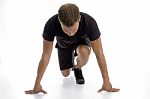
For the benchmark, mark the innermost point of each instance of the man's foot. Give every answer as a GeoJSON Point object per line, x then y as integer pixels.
{"type": "Point", "coordinates": [78, 75]}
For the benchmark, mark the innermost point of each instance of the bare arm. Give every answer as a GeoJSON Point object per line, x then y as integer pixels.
{"type": "Point", "coordinates": [98, 50]}
{"type": "Point", "coordinates": [47, 49]}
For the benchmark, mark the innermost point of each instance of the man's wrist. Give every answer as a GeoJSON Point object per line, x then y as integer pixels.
{"type": "Point", "coordinates": [37, 84]}
{"type": "Point", "coordinates": [106, 81]}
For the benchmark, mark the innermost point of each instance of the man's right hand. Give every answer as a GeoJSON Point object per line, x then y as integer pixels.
{"type": "Point", "coordinates": [36, 90]}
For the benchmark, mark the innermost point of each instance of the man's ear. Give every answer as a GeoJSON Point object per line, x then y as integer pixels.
{"type": "Point", "coordinates": [79, 18]}
{"type": "Point", "coordinates": [58, 19]}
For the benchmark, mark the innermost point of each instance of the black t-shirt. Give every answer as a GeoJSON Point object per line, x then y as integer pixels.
{"type": "Point", "coordinates": [87, 29]}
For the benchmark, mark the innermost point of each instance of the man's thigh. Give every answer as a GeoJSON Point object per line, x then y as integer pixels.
{"type": "Point", "coordinates": [66, 58]}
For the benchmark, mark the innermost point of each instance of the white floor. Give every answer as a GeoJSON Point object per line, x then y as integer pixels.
{"type": "Point", "coordinates": [125, 37]}
{"type": "Point", "coordinates": [132, 78]}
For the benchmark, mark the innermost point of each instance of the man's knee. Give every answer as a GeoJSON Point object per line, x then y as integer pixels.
{"type": "Point", "coordinates": [65, 73]}
{"type": "Point", "coordinates": [83, 50]}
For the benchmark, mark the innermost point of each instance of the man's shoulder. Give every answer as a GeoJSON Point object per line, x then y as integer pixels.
{"type": "Point", "coordinates": [85, 15]}
{"type": "Point", "coordinates": [52, 22]}
{"type": "Point", "coordinates": [53, 18]}
{"type": "Point", "coordinates": [86, 18]}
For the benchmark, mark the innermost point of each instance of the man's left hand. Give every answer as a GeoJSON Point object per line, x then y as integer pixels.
{"type": "Point", "coordinates": [108, 87]}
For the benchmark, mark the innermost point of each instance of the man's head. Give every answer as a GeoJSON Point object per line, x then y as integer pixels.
{"type": "Point", "coordinates": [69, 17]}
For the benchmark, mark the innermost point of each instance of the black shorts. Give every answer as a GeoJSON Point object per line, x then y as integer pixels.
{"type": "Point", "coordinates": [66, 55]}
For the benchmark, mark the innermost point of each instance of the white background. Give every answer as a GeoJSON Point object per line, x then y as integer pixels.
{"type": "Point", "coordinates": [125, 29]}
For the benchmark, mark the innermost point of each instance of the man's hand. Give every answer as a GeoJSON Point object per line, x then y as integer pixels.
{"type": "Point", "coordinates": [36, 90]}
{"type": "Point", "coordinates": [108, 87]}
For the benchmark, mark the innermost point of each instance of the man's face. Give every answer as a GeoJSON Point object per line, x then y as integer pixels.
{"type": "Point", "coordinates": [70, 31]}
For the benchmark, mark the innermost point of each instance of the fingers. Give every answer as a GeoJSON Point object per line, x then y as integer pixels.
{"type": "Point", "coordinates": [30, 92]}
{"type": "Point", "coordinates": [113, 90]}
{"type": "Point", "coordinates": [100, 90]}
{"type": "Point", "coordinates": [110, 90]}
{"type": "Point", "coordinates": [35, 92]}
{"type": "Point", "coordinates": [44, 92]}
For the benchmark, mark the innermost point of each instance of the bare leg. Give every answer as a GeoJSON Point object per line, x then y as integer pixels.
{"type": "Point", "coordinates": [83, 52]}
{"type": "Point", "coordinates": [66, 72]}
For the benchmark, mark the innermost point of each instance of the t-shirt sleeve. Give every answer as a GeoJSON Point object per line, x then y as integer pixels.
{"type": "Point", "coordinates": [48, 32]}
{"type": "Point", "coordinates": [92, 29]}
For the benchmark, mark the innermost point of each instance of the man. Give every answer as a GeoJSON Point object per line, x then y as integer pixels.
{"type": "Point", "coordinates": [76, 33]}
